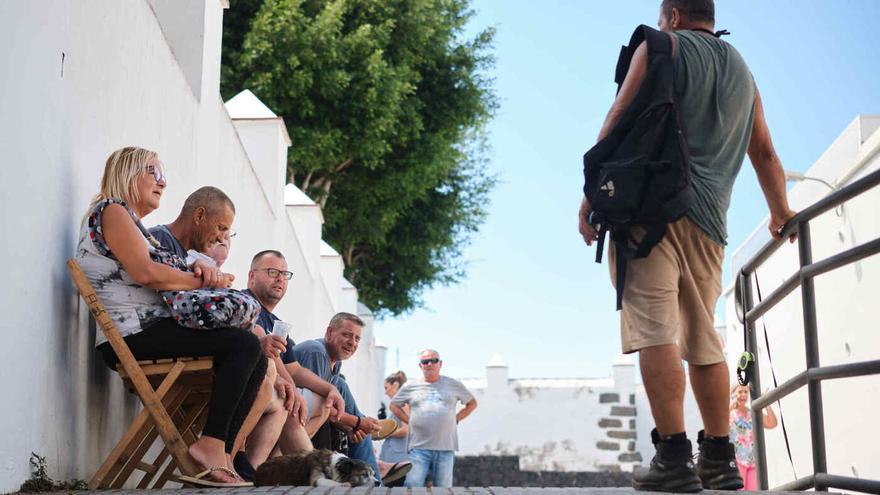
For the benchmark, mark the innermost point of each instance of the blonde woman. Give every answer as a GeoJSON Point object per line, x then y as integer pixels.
{"type": "Point", "coordinates": [114, 251]}
{"type": "Point", "coordinates": [741, 434]}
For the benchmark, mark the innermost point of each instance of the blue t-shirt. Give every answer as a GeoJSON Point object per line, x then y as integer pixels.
{"type": "Point", "coordinates": [267, 320]}
{"type": "Point", "coordinates": [312, 355]}
{"type": "Point", "coordinates": [168, 241]}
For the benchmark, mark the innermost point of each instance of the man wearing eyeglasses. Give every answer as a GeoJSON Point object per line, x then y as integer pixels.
{"type": "Point", "coordinates": [433, 437]}
{"type": "Point", "coordinates": [267, 282]}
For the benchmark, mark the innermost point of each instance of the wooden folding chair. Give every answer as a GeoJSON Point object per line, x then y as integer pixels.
{"type": "Point", "coordinates": [174, 393]}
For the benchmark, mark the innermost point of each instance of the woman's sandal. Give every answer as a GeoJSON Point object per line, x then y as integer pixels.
{"type": "Point", "coordinates": [397, 471]}
{"type": "Point", "coordinates": [200, 479]}
{"type": "Point", "coordinates": [386, 428]}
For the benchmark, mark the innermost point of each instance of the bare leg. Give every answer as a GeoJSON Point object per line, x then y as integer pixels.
{"type": "Point", "coordinates": [266, 434]}
{"type": "Point", "coordinates": [711, 384]}
{"type": "Point", "coordinates": [663, 376]}
{"type": "Point", "coordinates": [264, 397]}
{"type": "Point", "coordinates": [294, 437]}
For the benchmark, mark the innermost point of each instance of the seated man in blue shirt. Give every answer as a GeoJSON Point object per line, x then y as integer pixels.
{"type": "Point", "coordinates": [324, 357]}
{"type": "Point", "coordinates": [204, 220]}
{"type": "Point", "coordinates": [267, 282]}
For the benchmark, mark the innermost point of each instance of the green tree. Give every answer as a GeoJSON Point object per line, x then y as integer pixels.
{"type": "Point", "coordinates": [386, 103]}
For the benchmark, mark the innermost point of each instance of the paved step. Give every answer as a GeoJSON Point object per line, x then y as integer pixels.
{"type": "Point", "coordinates": [307, 490]}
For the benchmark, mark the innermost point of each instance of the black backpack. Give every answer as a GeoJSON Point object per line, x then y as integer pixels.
{"type": "Point", "coordinates": [639, 175]}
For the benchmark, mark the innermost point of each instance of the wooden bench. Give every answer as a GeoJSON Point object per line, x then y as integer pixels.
{"type": "Point", "coordinates": [175, 394]}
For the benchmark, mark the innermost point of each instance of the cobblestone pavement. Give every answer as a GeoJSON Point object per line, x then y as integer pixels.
{"type": "Point", "coordinates": [307, 490]}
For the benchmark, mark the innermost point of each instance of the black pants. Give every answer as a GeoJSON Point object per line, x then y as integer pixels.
{"type": "Point", "coordinates": [239, 368]}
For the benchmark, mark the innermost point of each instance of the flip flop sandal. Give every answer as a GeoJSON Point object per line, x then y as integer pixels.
{"type": "Point", "coordinates": [386, 428]}
{"type": "Point", "coordinates": [397, 471]}
{"type": "Point", "coordinates": [200, 480]}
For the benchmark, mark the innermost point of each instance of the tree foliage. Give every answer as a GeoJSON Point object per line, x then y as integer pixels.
{"type": "Point", "coordinates": [386, 103]}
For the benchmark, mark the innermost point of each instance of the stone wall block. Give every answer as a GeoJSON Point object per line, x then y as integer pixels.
{"type": "Point", "coordinates": [623, 411]}
{"type": "Point", "coordinates": [609, 397]}
{"type": "Point", "coordinates": [630, 457]}
{"type": "Point", "coordinates": [602, 445]}
{"type": "Point", "coordinates": [610, 423]}
{"type": "Point", "coordinates": [624, 434]}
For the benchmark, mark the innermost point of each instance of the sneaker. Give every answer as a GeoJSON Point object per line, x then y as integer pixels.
{"type": "Point", "coordinates": [671, 470]}
{"type": "Point", "coordinates": [716, 465]}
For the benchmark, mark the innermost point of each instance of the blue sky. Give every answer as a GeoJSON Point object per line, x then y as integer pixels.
{"type": "Point", "coordinates": [533, 292]}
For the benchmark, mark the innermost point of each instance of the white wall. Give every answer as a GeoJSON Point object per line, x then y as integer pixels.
{"type": "Point", "coordinates": [121, 83]}
{"type": "Point", "coordinates": [848, 329]}
{"type": "Point", "coordinates": [554, 424]}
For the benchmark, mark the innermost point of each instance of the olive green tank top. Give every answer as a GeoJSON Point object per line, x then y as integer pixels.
{"type": "Point", "coordinates": [715, 96]}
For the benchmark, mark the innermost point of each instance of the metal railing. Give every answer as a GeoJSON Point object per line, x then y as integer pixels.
{"type": "Point", "coordinates": [814, 374]}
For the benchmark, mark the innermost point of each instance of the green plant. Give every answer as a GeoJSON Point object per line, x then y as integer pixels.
{"type": "Point", "coordinates": [41, 482]}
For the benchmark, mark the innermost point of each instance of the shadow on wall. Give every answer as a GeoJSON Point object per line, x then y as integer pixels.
{"type": "Point", "coordinates": [503, 470]}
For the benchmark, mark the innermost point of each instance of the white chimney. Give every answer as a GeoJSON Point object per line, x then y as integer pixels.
{"type": "Point", "coordinates": [265, 140]}
{"type": "Point", "coordinates": [624, 373]}
{"type": "Point", "coordinates": [496, 375]}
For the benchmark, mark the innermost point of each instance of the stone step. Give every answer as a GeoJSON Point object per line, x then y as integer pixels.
{"type": "Point", "coordinates": [305, 490]}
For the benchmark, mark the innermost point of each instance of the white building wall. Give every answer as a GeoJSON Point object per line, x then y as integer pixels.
{"type": "Point", "coordinates": [77, 81]}
{"type": "Point", "coordinates": [554, 424]}
{"type": "Point", "coordinates": [847, 326]}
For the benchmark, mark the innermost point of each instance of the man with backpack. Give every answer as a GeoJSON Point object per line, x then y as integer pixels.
{"type": "Point", "coordinates": [672, 265]}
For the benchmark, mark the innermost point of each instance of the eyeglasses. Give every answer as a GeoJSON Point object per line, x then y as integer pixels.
{"type": "Point", "coordinates": [157, 173]}
{"type": "Point", "coordinates": [274, 272]}
{"type": "Point", "coordinates": [430, 361]}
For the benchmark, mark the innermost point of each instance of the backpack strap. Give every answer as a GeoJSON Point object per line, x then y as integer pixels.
{"type": "Point", "coordinates": [620, 272]}
{"type": "Point", "coordinates": [659, 44]}
{"type": "Point", "coordinates": [653, 235]}
{"type": "Point", "coordinates": [624, 252]}
{"type": "Point", "coordinates": [626, 55]}
{"type": "Point", "coordinates": [621, 237]}
{"type": "Point", "coordinates": [603, 230]}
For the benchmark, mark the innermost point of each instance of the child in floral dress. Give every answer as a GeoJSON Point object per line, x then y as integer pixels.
{"type": "Point", "coordinates": [741, 434]}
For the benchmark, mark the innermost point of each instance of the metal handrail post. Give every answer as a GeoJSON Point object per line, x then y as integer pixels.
{"type": "Point", "coordinates": [754, 383]}
{"type": "Point", "coordinates": [811, 348]}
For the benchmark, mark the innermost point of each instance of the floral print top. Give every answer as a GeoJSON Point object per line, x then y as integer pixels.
{"type": "Point", "coordinates": [741, 435]}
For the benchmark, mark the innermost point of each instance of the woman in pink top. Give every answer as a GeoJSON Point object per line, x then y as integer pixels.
{"type": "Point", "coordinates": [741, 433]}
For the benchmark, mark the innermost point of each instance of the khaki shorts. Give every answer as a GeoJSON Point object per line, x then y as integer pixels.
{"type": "Point", "coordinates": [311, 400]}
{"type": "Point", "coordinates": [669, 297]}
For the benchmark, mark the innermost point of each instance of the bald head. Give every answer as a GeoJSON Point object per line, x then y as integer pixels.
{"type": "Point", "coordinates": [212, 199]}
{"type": "Point", "coordinates": [205, 219]}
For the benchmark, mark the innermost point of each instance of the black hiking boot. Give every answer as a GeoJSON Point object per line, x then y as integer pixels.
{"type": "Point", "coordinates": [672, 468]}
{"type": "Point", "coordinates": [716, 464]}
